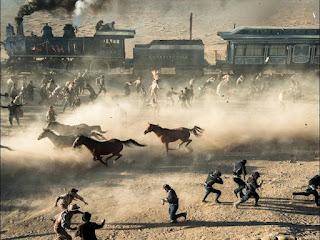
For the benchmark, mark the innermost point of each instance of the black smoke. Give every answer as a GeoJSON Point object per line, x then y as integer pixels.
{"type": "Point", "coordinates": [47, 5]}
{"type": "Point", "coordinates": [68, 5]}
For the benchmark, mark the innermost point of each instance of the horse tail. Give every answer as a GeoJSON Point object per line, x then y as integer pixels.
{"type": "Point", "coordinates": [130, 142]}
{"type": "Point", "coordinates": [197, 131]}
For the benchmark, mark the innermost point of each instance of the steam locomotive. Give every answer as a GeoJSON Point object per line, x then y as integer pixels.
{"type": "Point", "coordinates": [247, 48]}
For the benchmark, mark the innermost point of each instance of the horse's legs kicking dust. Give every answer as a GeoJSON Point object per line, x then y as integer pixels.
{"type": "Point", "coordinates": [113, 155]}
{"type": "Point", "coordinates": [167, 148]}
{"type": "Point", "coordinates": [189, 148]}
{"type": "Point", "coordinates": [188, 142]}
{"type": "Point", "coordinates": [119, 156]}
{"type": "Point", "coordinates": [99, 158]}
{"type": "Point", "coordinates": [180, 144]}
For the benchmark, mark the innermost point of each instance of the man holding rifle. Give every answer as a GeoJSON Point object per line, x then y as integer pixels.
{"type": "Point", "coordinates": [252, 186]}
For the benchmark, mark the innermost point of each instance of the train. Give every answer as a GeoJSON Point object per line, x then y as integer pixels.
{"type": "Point", "coordinates": [248, 48]}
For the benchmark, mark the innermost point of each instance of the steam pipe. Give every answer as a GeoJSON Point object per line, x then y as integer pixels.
{"type": "Point", "coordinates": [190, 26]}
{"type": "Point", "coordinates": [19, 22]}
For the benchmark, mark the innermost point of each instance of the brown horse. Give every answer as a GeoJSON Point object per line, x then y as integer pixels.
{"type": "Point", "coordinates": [104, 148]}
{"type": "Point", "coordinates": [171, 135]}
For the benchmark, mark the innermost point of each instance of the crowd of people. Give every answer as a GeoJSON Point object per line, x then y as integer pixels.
{"type": "Point", "coordinates": [223, 86]}
{"type": "Point", "coordinates": [245, 189]}
{"type": "Point", "coordinates": [23, 92]}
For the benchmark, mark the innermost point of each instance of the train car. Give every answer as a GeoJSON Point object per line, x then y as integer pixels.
{"type": "Point", "coordinates": [261, 47]}
{"type": "Point", "coordinates": [185, 56]}
{"type": "Point", "coordinates": [106, 47]}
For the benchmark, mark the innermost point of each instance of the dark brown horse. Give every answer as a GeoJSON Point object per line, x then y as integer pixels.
{"type": "Point", "coordinates": [104, 148]}
{"type": "Point", "coordinates": [171, 135]}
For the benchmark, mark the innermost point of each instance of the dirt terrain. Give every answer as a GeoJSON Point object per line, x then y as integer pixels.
{"type": "Point", "coordinates": [283, 144]}
{"type": "Point", "coordinates": [167, 19]}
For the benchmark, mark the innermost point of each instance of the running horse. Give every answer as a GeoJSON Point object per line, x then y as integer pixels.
{"type": "Point", "coordinates": [104, 148]}
{"type": "Point", "coordinates": [171, 135]}
{"type": "Point", "coordinates": [57, 140]}
{"type": "Point", "coordinates": [77, 130]}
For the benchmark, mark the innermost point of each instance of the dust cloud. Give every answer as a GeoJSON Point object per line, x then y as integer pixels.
{"type": "Point", "coordinates": [228, 123]}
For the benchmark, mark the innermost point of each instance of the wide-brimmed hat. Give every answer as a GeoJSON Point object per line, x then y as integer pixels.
{"type": "Point", "coordinates": [86, 216]}
{"type": "Point", "coordinates": [256, 174]}
{"type": "Point", "coordinates": [74, 190]}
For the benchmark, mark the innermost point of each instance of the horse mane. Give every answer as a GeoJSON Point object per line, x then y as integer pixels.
{"type": "Point", "coordinates": [157, 125]}
{"type": "Point", "coordinates": [49, 130]}
{"type": "Point", "coordinates": [55, 123]}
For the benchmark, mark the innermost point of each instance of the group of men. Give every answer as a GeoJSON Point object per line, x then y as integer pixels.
{"type": "Point", "coordinates": [62, 222]}
{"type": "Point", "coordinates": [69, 94]}
{"type": "Point", "coordinates": [244, 190]}
{"type": "Point", "coordinates": [50, 92]}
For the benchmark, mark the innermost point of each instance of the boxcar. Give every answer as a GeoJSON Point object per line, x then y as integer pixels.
{"type": "Point", "coordinates": [183, 55]}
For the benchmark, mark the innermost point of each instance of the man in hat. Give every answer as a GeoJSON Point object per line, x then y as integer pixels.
{"type": "Point", "coordinates": [173, 201]}
{"type": "Point", "coordinates": [14, 111]}
{"type": "Point", "coordinates": [68, 198]}
{"type": "Point", "coordinates": [239, 169]}
{"type": "Point", "coordinates": [51, 115]}
{"type": "Point", "coordinates": [170, 95]}
{"type": "Point", "coordinates": [62, 222]}
{"type": "Point", "coordinates": [313, 184]}
{"type": "Point", "coordinates": [100, 82]}
{"type": "Point", "coordinates": [252, 186]}
{"type": "Point", "coordinates": [213, 177]}
{"type": "Point", "coordinates": [87, 230]}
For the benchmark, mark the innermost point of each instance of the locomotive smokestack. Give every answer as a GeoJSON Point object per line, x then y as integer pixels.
{"type": "Point", "coordinates": [19, 22]}
{"type": "Point", "coordinates": [190, 26]}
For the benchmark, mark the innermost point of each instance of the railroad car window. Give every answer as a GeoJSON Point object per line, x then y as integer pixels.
{"type": "Point", "coordinates": [278, 50]}
{"type": "Point", "coordinates": [240, 50]}
{"type": "Point", "coordinates": [254, 50]}
{"type": "Point", "coordinates": [317, 50]}
{"type": "Point", "coordinates": [301, 50]}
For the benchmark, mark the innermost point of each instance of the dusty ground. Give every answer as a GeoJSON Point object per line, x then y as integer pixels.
{"type": "Point", "coordinates": [169, 19]}
{"type": "Point", "coordinates": [282, 145]}
{"type": "Point", "coordinates": [129, 199]}
{"type": "Point", "coordinates": [128, 193]}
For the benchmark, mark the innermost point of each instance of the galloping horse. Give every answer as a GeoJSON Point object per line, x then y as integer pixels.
{"type": "Point", "coordinates": [57, 140]}
{"type": "Point", "coordinates": [104, 148]}
{"type": "Point", "coordinates": [77, 130]}
{"type": "Point", "coordinates": [171, 135]}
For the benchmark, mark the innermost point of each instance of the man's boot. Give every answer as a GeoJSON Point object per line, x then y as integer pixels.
{"type": "Point", "coordinates": [236, 204]}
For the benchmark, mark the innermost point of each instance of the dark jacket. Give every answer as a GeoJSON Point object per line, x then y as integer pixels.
{"type": "Point", "coordinates": [86, 231]}
{"type": "Point", "coordinates": [252, 184]}
{"type": "Point", "coordinates": [212, 179]}
{"type": "Point", "coordinates": [239, 169]}
{"type": "Point", "coordinates": [13, 108]}
{"type": "Point", "coordinates": [172, 197]}
{"type": "Point", "coordinates": [315, 181]}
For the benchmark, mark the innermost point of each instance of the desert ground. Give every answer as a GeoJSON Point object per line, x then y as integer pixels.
{"type": "Point", "coordinates": [280, 143]}
{"type": "Point", "coordinates": [283, 144]}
